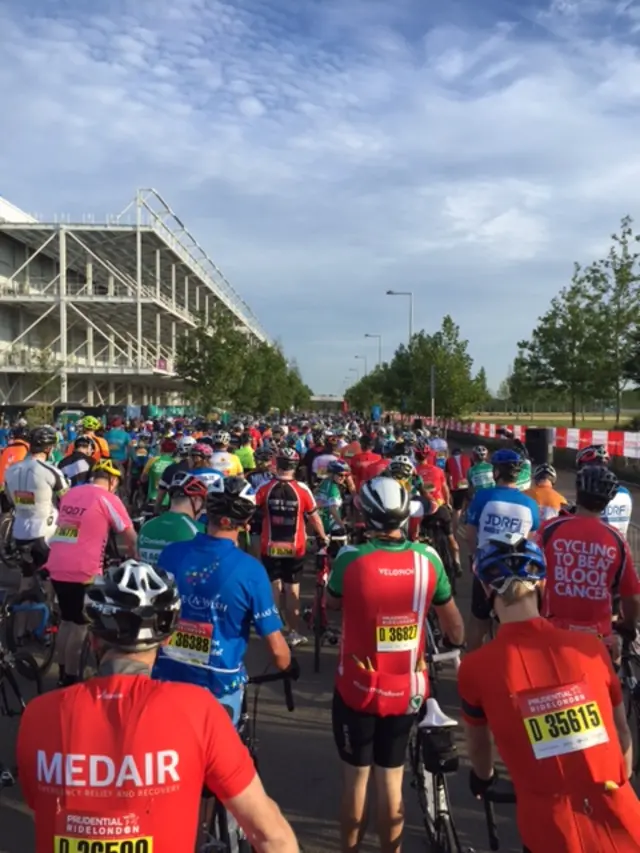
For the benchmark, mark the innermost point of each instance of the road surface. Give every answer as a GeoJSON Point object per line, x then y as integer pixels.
{"type": "Point", "coordinates": [298, 760]}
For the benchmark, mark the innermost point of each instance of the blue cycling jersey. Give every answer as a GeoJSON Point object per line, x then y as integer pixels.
{"type": "Point", "coordinates": [224, 591]}
{"type": "Point", "coordinates": [118, 441]}
{"type": "Point", "coordinates": [501, 509]}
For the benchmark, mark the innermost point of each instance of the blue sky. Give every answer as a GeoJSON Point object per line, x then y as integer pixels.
{"type": "Point", "coordinates": [324, 151]}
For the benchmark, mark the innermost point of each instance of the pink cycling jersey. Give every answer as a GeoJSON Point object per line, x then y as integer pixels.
{"type": "Point", "coordinates": [87, 515]}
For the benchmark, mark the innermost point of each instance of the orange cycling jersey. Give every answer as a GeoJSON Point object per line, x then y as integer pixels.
{"type": "Point", "coordinates": [14, 452]}
{"type": "Point", "coordinates": [122, 758]}
{"type": "Point", "coordinates": [101, 447]}
{"type": "Point", "coordinates": [548, 695]}
{"type": "Point", "coordinates": [549, 501]}
{"type": "Point", "coordinates": [587, 560]}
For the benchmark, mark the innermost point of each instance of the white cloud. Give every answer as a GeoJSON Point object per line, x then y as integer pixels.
{"type": "Point", "coordinates": [327, 154]}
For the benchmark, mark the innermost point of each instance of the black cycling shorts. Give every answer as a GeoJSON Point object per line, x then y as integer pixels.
{"type": "Point", "coordinates": [283, 569]}
{"type": "Point", "coordinates": [363, 739]}
{"type": "Point", "coordinates": [39, 554]}
{"type": "Point", "coordinates": [458, 498]}
{"type": "Point", "coordinates": [481, 605]}
{"type": "Point", "coordinates": [71, 601]}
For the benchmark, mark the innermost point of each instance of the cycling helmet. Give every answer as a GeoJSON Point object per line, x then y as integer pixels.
{"type": "Point", "coordinates": [355, 435]}
{"type": "Point", "coordinates": [145, 438]}
{"type": "Point", "coordinates": [331, 438]}
{"type": "Point", "coordinates": [287, 459]}
{"type": "Point", "coordinates": [84, 441]}
{"type": "Point", "coordinates": [91, 424]}
{"type": "Point", "coordinates": [510, 557]}
{"type": "Point", "coordinates": [185, 444]}
{"type": "Point", "coordinates": [231, 501]}
{"type": "Point", "coordinates": [594, 454]}
{"type": "Point", "coordinates": [409, 438]}
{"type": "Point", "coordinates": [318, 436]}
{"type": "Point", "coordinates": [188, 484]}
{"type": "Point", "coordinates": [545, 472]}
{"type": "Point", "coordinates": [43, 438]}
{"type": "Point", "coordinates": [507, 462]}
{"type": "Point", "coordinates": [338, 466]}
{"type": "Point", "coordinates": [401, 467]}
{"type": "Point", "coordinates": [222, 438]}
{"type": "Point", "coordinates": [20, 431]}
{"type": "Point", "coordinates": [596, 481]}
{"type": "Point", "coordinates": [106, 467]}
{"type": "Point", "coordinates": [384, 503]}
{"type": "Point", "coordinates": [200, 450]}
{"type": "Point", "coordinates": [480, 452]}
{"type": "Point", "coordinates": [388, 447]}
{"type": "Point", "coordinates": [133, 606]}
{"type": "Point", "coordinates": [264, 454]}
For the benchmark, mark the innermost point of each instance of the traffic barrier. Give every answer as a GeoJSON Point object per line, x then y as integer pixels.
{"type": "Point", "coordinates": [618, 442]}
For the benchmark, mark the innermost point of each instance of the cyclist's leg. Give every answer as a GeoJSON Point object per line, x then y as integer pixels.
{"type": "Point", "coordinates": [480, 620]}
{"type": "Point", "coordinates": [353, 734]}
{"type": "Point", "coordinates": [389, 750]}
{"type": "Point", "coordinates": [73, 629]}
{"type": "Point", "coordinates": [290, 574]}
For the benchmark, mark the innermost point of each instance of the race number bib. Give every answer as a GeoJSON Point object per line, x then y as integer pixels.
{"type": "Point", "coordinates": [88, 833]}
{"type": "Point", "coordinates": [69, 844]}
{"type": "Point", "coordinates": [280, 549]}
{"type": "Point", "coordinates": [397, 633]}
{"type": "Point", "coordinates": [463, 484]}
{"type": "Point", "coordinates": [68, 533]}
{"type": "Point", "coordinates": [24, 498]}
{"type": "Point", "coordinates": [561, 720]}
{"type": "Point", "coordinates": [192, 641]}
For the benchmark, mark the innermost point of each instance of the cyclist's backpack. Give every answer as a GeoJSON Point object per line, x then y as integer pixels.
{"type": "Point", "coordinates": [439, 751]}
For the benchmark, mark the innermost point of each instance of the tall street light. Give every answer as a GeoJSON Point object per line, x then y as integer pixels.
{"type": "Point", "coordinates": [379, 337]}
{"type": "Point", "coordinates": [356, 371]}
{"type": "Point", "coordinates": [363, 358]}
{"type": "Point", "coordinates": [408, 293]}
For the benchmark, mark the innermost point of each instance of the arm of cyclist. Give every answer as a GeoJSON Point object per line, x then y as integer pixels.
{"type": "Point", "coordinates": [313, 517]}
{"type": "Point", "coordinates": [476, 729]}
{"type": "Point", "coordinates": [265, 826]}
{"type": "Point", "coordinates": [266, 619]}
{"type": "Point", "coordinates": [451, 621]}
{"type": "Point", "coordinates": [624, 736]}
{"type": "Point", "coordinates": [334, 584]}
{"type": "Point", "coordinates": [121, 524]}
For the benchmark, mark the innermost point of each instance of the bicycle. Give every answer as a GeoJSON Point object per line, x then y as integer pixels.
{"type": "Point", "coordinates": [432, 756]}
{"type": "Point", "coordinates": [491, 796]}
{"type": "Point", "coordinates": [629, 666]}
{"type": "Point", "coordinates": [316, 615]}
{"type": "Point", "coordinates": [12, 703]}
{"type": "Point", "coordinates": [7, 543]}
{"type": "Point", "coordinates": [223, 834]}
{"type": "Point", "coordinates": [32, 618]}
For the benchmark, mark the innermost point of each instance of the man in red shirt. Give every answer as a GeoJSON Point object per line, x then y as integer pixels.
{"type": "Point", "coordinates": [457, 468]}
{"type": "Point", "coordinates": [360, 462]}
{"type": "Point", "coordinates": [121, 757]}
{"type": "Point", "coordinates": [433, 477]}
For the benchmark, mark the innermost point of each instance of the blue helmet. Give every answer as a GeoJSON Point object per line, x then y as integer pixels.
{"type": "Point", "coordinates": [507, 460]}
{"type": "Point", "coordinates": [509, 557]}
{"type": "Point", "coordinates": [337, 466]}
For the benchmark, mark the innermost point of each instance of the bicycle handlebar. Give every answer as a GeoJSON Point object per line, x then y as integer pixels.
{"type": "Point", "coordinates": [277, 676]}
{"type": "Point", "coordinates": [491, 796]}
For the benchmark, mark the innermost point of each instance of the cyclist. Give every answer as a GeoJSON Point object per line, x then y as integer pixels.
{"type": "Point", "coordinates": [437, 529]}
{"type": "Point", "coordinates": [118, 762]}
{"type": "Point", "coordinates": [457, 468]}
{"type": "Point", "coordinates": [180, 523]}
{"type": "Point", "coordinates": [549, 501]}
{"type": "Point", "coordinates": [140, 453]}
{"type": "Point", "coordinates": [15, 451]}
{"type": "Point", "coordinates": [589, 562]}
{"type": "Point", "coordinates": [617, 513]}
{"type": "Point", "coordinates": [223, 459]}
{"type": "Point", "coordinates": [224, 592]}
{"type": "Point", "coordinates": [90, 516]}
{"type": "Point", "coordinates": [439, 446]}
{"type": "Point", "coordinates": [433, 478]}
{"type": "Point", "coordinates": [287, 505]}
{"type": "Point", "coordinates": [181, 463]}
{"type": "Point", "coordinates": [385, 588]}
{"type": "Point", "coordinates": [330, 453]}
{"type": "Point", "coordinates": [330, 495]}
{"type": "Point", "coordinates": [118, 439]}
{"type": "Point", "coordinates": [492, 511]}
{"type": "Point", "coordinates": [245, 452]}
{"type": "Point", "coordinates": [480, 474]}
{"type": "Point", "coordinates": [78, 465]}
{"type": "Point", "coordinates": [361, 461]}
{"type": "Point", "coordinates": [155, 468]}
{"type": "Point", "coordinates": [262, 474]}
{"type": "Point", "coordinates": [554, 707]}
{"type": "Point", "coordinates": [90, 426]}
{"type": "Point", "coordinates": [33, 487]}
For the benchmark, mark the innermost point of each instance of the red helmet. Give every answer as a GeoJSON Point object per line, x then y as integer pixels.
{"type": "Point", "coordinates": [594, 454]}
{"type": "Point", "coordinates": [168, 445]}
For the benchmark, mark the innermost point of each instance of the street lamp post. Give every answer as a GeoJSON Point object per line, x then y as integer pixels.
{"type": "Point", "coordinates": [356, 371]}
{"type": "Point", "coordinates": [408, 293]}
{"type": "Point", "coordinates": [363, 358]}
{"type": "Point", "coordinates": [379, 337]}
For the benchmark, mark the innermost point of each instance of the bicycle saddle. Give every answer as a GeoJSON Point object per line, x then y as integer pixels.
{"type": "Point", "coordinates": [435, 718]}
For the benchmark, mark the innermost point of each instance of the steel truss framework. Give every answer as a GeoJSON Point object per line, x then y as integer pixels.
{"type": "Point", "coordinates": [117, 299]}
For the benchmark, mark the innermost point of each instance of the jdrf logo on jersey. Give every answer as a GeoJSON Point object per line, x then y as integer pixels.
{"type": "Point", "coordinates": [494, 523]}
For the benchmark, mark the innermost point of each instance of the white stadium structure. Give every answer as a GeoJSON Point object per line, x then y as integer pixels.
{"type": "Point", "coordinates": [91, 313]}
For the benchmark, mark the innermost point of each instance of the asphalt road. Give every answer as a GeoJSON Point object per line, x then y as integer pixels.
{"type": "Point", "coordinates": [299, 764]}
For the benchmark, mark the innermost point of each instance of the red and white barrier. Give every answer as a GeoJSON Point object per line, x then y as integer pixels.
{"type": "Point", "coordinates": [617, 442]}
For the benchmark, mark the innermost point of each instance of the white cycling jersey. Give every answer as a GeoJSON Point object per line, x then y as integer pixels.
{"type": "Point", "coordinates": [320, 465]}
{"type": "Point", "coordinates": [618, 511]}
{"type": "Point", "coordinates": [31, 487]}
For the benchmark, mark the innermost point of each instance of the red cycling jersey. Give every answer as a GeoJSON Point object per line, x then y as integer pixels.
{"type": "Point", "coordinates": [434, 480]}
{"type": "Point", "coordinates": [387, 588]}
{"type": "Point", "coordinates": [457, 467]}
{"type": "Point", "coordinates": [374, 470]}
{"type": "Point", "coordinates": [122, 758]}
{"type": "Point", "coordinates": [587, 560]}
{"type": "Point", "coordinates": [286, 504]}
{"type": "Point", "coordinates": [360, 463]}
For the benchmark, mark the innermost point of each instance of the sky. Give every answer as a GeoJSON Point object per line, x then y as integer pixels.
{"type": "Point", "coordinates": [326, 151]}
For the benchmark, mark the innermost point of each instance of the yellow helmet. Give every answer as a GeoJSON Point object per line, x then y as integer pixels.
{"type": "Point", "coordinates": [106, 466]}
{"type": "Point", "coordinates": [90, 423]}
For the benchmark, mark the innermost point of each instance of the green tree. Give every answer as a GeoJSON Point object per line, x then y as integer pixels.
{"type": "Point", "coordinates": [482, 392]}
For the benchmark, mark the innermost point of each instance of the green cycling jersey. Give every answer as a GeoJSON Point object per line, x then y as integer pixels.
{"type": "Point", "coordinates": [154, 475]}
{"type": "Point", "coordinates": [329, 495]}
{"type": "Point", "coordinates": [524, 477]}
{"type": "Point", "coordinates": [159, 532]}
{"type": "Point", "coordinates": [480, 476]}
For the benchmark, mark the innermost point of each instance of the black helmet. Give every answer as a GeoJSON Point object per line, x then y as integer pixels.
{"type": "Point", "coordinates": [42, 438]}
{"type": "Point", "coordinates": [596, 481]}
{"type": "Point", "coordinates": [20, 431]}
{"type": "Point", "coordinates": [264, 454]}
{"type": "Point", "coordinates": [133, 606]}
{"type": "Point", "coordinates": [384, 503]}
{"type": "Point", "coordinates": [231, 498]}
{"type": "Point", "coordinates": [84, 441]}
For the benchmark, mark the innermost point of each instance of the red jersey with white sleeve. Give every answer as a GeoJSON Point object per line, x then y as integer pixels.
{"type": "Point", "coordinates": [121, 758]}
{"type": "Point", "coordinates": [457, 468]}
{"type": "Point", "coordinates": [285, 505]}
{"type": "Point", "coordinates": [588, 562]}
{"type": "Point", "coordinates": [434, 480]}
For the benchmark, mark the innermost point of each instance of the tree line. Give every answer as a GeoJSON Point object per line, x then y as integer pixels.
{"type": "Point", "coordinates": [223, 366]}
{"type": "Point", "coordinates": [585, 349]}
{"type": "Point", "coordinates": [404, 383]}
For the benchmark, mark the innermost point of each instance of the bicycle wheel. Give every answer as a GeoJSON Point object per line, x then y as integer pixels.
{"type": "Point", "coordinates": [318, 628]}
{"type": "Point", "coordinates": [25, 631]}
{"type": "Point", "coordinates": [12, 702]}
{"type": "Point", "coordinates": [88, 666]}
{"type": "Point", "coordinates": [27, 667]}
{"type": "Point", "coordinates": [422, 782]}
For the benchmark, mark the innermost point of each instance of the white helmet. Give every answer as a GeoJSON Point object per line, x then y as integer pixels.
{"type": "Point", "coordinates": [185, 444]}
{"type": "Point", "coordinates": [384, 503]}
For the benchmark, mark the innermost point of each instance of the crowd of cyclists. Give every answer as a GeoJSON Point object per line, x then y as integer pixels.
{"type": "Point", "coordinates": [168, 542]}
